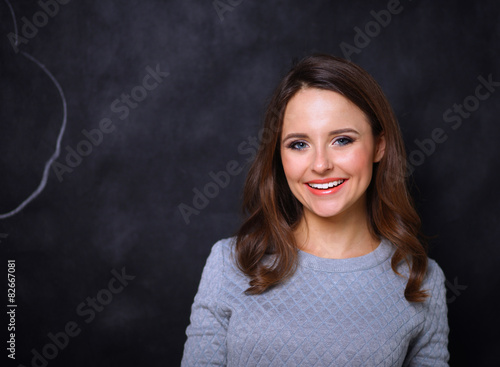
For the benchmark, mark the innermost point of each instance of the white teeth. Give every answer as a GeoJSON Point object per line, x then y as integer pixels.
{"type": "Point", "coordinates": [326, 185]}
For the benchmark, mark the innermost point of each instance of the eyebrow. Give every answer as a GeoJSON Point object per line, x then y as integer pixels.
{"type": "Point", "coordinates": [333, 132]}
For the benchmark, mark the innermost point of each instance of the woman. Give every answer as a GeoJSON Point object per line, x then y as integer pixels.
{"type": "Point", "coordinates": [328, 269]}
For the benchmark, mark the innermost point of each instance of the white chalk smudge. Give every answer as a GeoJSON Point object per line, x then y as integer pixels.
{"type": "Point", "coordinates": [54, 156]}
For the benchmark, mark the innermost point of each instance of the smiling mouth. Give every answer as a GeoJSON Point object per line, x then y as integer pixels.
{"type": "Point", "coordinates": [326, 185]}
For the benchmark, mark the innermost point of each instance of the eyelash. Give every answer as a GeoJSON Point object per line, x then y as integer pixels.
{"type": "Point", "coordinates": [293, 144]}
{"type": "Point", "coordinates": [348, 140]}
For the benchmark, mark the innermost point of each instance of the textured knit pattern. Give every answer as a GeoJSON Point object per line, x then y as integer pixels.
{"type": "Point", "coordinates": [331, 312]}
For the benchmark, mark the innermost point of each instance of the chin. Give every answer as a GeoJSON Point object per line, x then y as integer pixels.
{"type": "Point", "coordinates": [325, 212]}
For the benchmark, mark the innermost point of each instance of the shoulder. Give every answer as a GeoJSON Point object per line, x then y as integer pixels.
{"type": "Point", "coordinates": [221, 258]}
{"type": "Point", "coordinates": [434, 282]}
{"type": "Point", "coordinates": [222, 250]}
{"type": "Point", "coordinates": [222, 272]}
{"type": "Point", "coordinates": [434, 273]}
{"type": "Point", "coordinates": [217, 269]}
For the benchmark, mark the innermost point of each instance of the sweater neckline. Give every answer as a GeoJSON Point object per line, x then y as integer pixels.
{"type": "Point", "coordinates": [383, 251]}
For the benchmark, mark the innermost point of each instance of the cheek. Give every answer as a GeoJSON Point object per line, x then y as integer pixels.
{"type": "Point", "coordinates": [290, 166]}
{"type": "Point", "coordinates": [356, 161]}
{"type": "Point", "coordinates": [295, 167]}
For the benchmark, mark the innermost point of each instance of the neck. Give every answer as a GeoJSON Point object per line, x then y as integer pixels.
{"type": "Point", "coordinates": [343, 236]}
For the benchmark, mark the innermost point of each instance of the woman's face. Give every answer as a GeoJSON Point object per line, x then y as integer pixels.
{"type": "Point", "coordinates": [327, 151]}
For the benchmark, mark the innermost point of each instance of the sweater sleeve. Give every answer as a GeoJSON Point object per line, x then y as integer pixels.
{"type": "Point", "coordinates": [206, 334]}
{"type": "Point", "coordinates": [430, 348]}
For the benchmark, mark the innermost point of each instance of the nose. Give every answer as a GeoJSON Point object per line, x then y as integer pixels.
{"type": "Point", "coordinates": [322, 162]}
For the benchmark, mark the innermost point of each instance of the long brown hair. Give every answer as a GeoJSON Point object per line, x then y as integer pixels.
{"type": "Point", "coordinates": [273, 211]}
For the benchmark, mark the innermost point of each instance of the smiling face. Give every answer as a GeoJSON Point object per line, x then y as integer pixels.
{"type": "Point", "coordinates": [327, 151]}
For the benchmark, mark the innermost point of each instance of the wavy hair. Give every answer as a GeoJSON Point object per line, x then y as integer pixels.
{"type": "Point", "coordinates": [273, 212]}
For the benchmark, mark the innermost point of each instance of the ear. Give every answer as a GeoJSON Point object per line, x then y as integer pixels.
{"type": "Point", "coordinates": [379, 148]}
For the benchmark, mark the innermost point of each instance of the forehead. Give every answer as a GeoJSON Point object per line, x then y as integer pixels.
{"type": "Point", "coordinates": [313, 108]}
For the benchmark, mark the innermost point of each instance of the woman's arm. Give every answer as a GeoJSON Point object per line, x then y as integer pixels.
{"type": "Point", "coordinates": [206, 343]}
{"type": "Point", "coordinates": [430, 348]}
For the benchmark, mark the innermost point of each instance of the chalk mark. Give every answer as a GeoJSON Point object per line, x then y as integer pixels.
{"type": "Point", "coordinates": [54, 156]}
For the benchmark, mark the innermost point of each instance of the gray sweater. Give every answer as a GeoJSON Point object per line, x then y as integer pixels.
{"type": "Point", "coordinates": [331, 312]}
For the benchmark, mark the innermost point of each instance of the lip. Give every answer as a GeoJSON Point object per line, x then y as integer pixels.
{"type": "Point", "coordinates": [332, 190]}
{"type": "Point", "coordinates": [325, 180]}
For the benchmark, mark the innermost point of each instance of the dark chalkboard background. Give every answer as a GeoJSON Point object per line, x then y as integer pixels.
{"type": "Point", "coordinates": [119, 207]}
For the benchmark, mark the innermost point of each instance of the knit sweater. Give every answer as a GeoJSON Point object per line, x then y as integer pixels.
{"type": "Point", "coordinates": [331, 312]}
